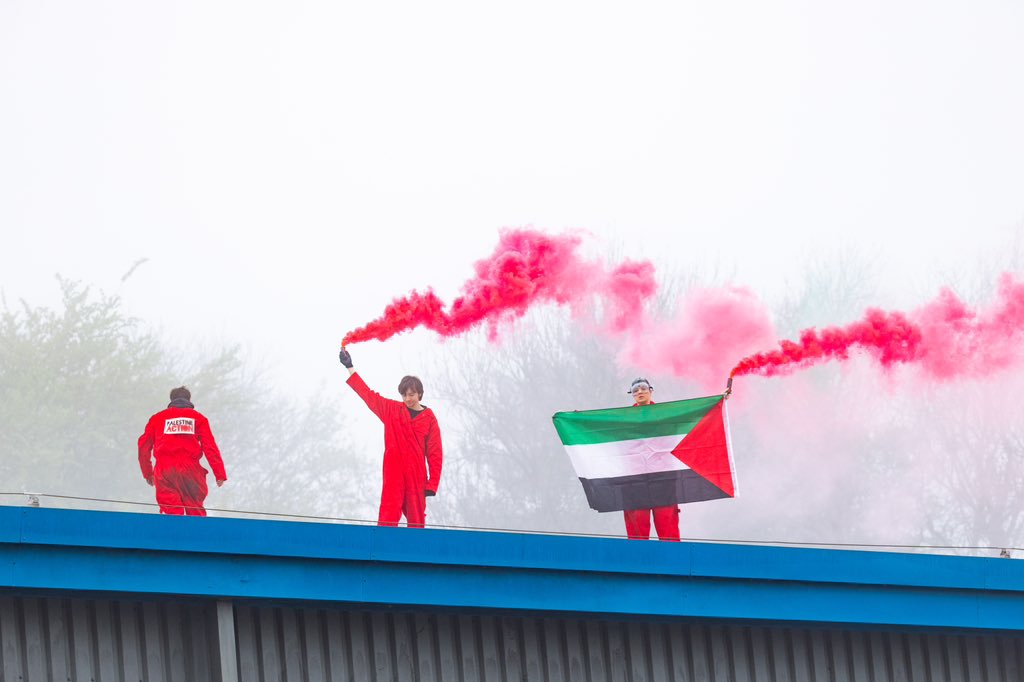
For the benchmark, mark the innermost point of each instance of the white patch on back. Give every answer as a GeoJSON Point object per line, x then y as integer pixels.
{"type": "Point", "coordinates": [186, 425]}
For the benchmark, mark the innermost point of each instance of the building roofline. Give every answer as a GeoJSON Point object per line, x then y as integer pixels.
{"type": "Point", "coordinates": [76, 550]}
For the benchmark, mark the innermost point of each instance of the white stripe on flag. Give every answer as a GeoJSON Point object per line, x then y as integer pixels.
{"type": "Point", "coordinates": [626, 457]}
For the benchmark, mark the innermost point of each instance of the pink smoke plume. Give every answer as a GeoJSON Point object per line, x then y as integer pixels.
{"type": "Point", "coordinates": [945, 339]}
{"type": "Point", "coordinates": [526, 268]}
{"type": "Point", "coordinates": [710, 329]}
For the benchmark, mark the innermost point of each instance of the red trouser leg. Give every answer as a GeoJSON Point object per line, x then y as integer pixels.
{"type": "Point", "coordinates": [392, 495]}
{"type": "Point", "coordinates": [403, 494]}
{"type": "Point", "coordinates": [169, 500]}
{"type": "Point", "coordinates": [666, 522]}
{"type": "Point", "coordinates": [415, 508]}
{"type": "Point", "coordinates": [414, 503]}
{"type": "Point", "coordinates": [180, 490]}
{"type": "Point", "coordinates": [638, 523]}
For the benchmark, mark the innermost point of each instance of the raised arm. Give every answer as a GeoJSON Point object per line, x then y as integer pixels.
{"type": "Point", "coordinates": [377, 404]}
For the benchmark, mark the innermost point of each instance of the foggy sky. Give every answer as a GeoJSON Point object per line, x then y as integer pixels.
{"type": "Point", "coordinates": [289, 168]}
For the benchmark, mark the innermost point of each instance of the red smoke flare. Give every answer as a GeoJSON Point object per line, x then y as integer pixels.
{"type": "Point", "coordinates": [946, 339]}
{"type": "Point", "coordinates": [526, 268]}
{"type": "Point", "coordinates": [890, 337]}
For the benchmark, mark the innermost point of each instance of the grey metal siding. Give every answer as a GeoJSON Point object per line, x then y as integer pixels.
{"type": "Point", "coordinates": [123, 639]}
{"type": "Point", "coordinates": [118, 640]}
{"type": "Point", "coordinates": [334, 644]}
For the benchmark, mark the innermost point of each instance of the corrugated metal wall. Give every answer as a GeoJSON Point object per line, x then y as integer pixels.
{"type": "Point", "coordinates": [283, 643]}
{"type": "Point", "coordinates": [117, 640]}
{"type": "Point", "coordinates": [50, 638]}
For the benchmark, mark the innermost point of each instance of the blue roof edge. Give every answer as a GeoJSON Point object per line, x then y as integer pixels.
{"type": "Point", "coordinates": [78, 550]}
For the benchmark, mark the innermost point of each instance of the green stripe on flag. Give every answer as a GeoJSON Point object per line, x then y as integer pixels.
{"type": "Point", "coordinates": [630, 423]}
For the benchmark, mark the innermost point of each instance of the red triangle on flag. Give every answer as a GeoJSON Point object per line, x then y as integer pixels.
{"type": "Point", "coordinates": [705, 449]}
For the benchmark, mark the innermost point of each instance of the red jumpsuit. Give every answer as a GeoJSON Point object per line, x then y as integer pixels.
{"type": "Point", "coordinates": [411, 446]}
{"type": "Point", "coordinates": [666, 521]}
{"type": "Point", "coordinates": [178, 437]}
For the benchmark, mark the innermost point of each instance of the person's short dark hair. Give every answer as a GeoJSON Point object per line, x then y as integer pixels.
{"type": "Point", "coordinates": [412, 382]}
{"type": "Point", "coordinates": [180, 393]}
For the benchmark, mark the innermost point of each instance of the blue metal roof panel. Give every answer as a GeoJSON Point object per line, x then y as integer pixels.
{"type": "Point", "coordinates": [143, 553]}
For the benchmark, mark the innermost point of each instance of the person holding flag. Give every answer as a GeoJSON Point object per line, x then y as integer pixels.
{"type": "Point", "coordinates": [647, 459]}
{"type": "Point", "coordinates": [666, 518]}
{"type": "Point", "coordinates": [412, 448]}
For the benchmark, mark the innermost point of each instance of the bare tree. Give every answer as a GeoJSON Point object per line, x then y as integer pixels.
{"type": "Point", "coordinates": [78, 382]}
{"type": "Point", "coordinates": [507, 468]}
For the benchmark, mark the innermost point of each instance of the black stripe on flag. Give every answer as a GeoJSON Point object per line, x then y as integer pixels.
{"type": "Point", "coordinates": [644, 491]}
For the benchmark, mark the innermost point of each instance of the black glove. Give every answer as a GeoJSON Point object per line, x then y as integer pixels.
{"type": "Point", "coordinates": [345, 358]}
{"type": "Point", "coordinates": [429, 493]}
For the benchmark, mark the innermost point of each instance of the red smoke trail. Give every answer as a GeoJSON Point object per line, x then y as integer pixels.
{"type": "Point", "coordinates": [526, 268]}
{"type": "Point", "coordinates": [946, 339]}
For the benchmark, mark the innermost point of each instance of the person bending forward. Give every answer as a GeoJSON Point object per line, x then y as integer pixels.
{"type": "Point", "coordinates": [177, 437]}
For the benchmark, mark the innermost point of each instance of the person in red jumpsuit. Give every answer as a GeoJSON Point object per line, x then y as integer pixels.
{"type": "Point", "coordinates": [412, 448]}
{"type": "Point", "coordinates": [177, 437]}
{"type": "Point", "coordinates": [666, 519]}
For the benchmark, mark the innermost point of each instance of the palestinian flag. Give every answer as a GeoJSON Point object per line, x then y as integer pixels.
{"type": "Point", "coordinates": [650, 456]}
